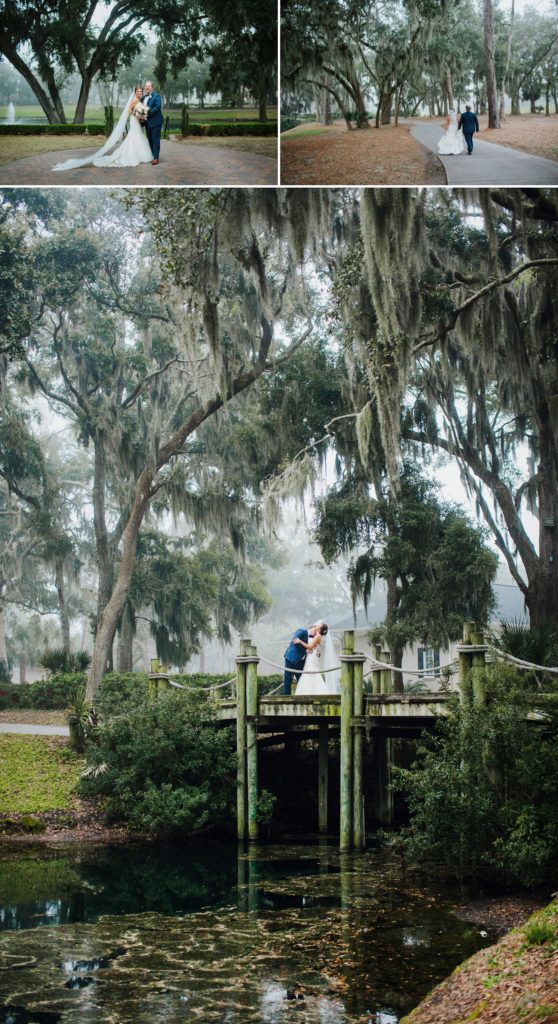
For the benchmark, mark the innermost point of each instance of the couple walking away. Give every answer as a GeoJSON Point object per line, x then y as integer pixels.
{"type": "Point", "coordinates": [143, 141]}
{"type": "Point", "coordinates": [311, 652]}
{"type": "Point", "coordinates": [452, 143]}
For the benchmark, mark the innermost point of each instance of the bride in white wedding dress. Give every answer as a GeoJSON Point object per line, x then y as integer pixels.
{"type": "Point", "coordinates": [321, 656]}
{"type": "Point", "coordinates": [452, 142]}
{"type": "Point", "coordinates": [134, 150]}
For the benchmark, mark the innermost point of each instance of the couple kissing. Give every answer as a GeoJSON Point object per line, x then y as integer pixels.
{"type": "Point", "coordinates": [310, 653]}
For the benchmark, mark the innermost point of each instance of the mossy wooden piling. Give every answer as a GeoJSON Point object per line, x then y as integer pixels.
{"type": "Point", "coordinates": [241, 796]}
{"type": "Point", "coordinates": [472, 659]}
{"type": "Point", "coordinates": [346, 754]}
{"type": "Point", "coordinates": [323, 776]}
{"type": "Point", "coordinates": [252, 740]}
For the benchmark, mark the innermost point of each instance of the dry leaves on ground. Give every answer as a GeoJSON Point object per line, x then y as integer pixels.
{"type": "Point", "coordinates": [25, 716]}
{"type": "Point", "coordinates": [376, 156]}
{"type": "Point", "coordinates": [532, 133]}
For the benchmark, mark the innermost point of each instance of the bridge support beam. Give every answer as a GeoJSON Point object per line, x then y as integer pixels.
{"type": "Point", "coordinates": [358, 753]}
{"type": "Point", "coordinates": [252, 741]}
{"type": "Point", "coordinates": [382, 752]}
{"type": "Point", "coordinates": [241, 795]}
{"type": "Point", "coordinates": [323, 776]}
{"type": "Point", "coordinates": [346, 754]}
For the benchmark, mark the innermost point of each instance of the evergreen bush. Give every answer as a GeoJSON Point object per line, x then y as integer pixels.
{"type": "Point", "coordinates": [52, 129]}
{"type": "Point", "coordinates": [483, 793]}
{"type": "Point", "coordinates": [164, 767]}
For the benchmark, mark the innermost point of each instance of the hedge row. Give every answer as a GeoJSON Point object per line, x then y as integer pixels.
{"type": "Point", "coordinates": [117, 689]}
{"type": "Point", "coordinates": [52, 129]}
{"type": "Point", "coordinates": [234, 128]}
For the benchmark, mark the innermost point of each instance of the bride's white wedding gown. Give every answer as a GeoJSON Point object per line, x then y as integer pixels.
{"type": "Point", "coordinates": [309, 685]}
{"type": "Point", "coordinates": [133, 151]}
{"type": "Point", "coordinates": [452, 142]}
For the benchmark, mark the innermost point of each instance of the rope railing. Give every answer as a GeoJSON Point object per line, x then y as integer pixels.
{"type": "Point", "coordinates": [200, 689]}
{"type": "Point", "coordinates": [521, 662]}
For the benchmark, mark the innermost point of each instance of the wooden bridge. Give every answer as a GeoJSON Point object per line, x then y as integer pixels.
{"type": "Point", "coordinates": [354, 716]}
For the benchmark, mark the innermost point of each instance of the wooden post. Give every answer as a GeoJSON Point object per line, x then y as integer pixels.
{"type": "Point", "coordinates": [241, 741]}
{"type": "Point", "coordinates": [477, 669]}
{"type": "Point", "coordinates": [323, 776]}
{"type": "Point", "coordinates": [377, 672]}
{"type": "Point", "coordinates": [358, 750]}
{"type": "Point", "coordinates": [163, 681]}
{"type": "Point", "coordinates": [252, 741]}
{"type": "Point", "coordinates": [465, 665]}
{"type": "Point", "coordinates": [385, 679]}
{"type": "Point", "coordinates": [346, 756]}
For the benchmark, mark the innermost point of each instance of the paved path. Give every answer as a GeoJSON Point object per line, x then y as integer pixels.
{"type": "Point", "coordinates": [490, 163]}
{"type": "Point", "coordinates": [34, 730]}
{"type": "Point", "coordinates": [181, 164]}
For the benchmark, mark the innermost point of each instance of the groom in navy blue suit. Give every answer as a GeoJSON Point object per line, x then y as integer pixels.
{"type": "Point", "coordinates": [295, 656]}
{"type": "Point", "coordinates": [469, 124]}
{"type": "Point", "coordinates": [154, 121]}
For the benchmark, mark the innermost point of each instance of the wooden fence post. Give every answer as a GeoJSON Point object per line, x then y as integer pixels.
{"type": "Point", "coordinates": [478, 661]}
{"type": "Point", "coordinates": [377, 672]}
{"type": "Point", "coordinates": [252, 741]}
{"type": "Point", "coordinates": [346, 754]}
{"type": "Point", "coordinates": [323, 775]}
{"type": "Point", "coordinates": [241, 740]}
{"type": "Point", "coordinates": [358, 752]}
{"type": "Point", "coordinates": [163, 681]}
{"type": "Point", "coordinates": [465, 664]}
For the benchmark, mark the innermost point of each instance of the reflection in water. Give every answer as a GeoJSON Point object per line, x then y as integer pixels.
{"type": "Point", "coordinates": [249, 936]}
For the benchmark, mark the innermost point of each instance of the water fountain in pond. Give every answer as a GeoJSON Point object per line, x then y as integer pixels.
{"type": "Point", "coordinates": [10, 119]}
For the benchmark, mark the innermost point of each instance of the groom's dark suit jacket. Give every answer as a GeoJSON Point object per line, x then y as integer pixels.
{"type": "Point", "coordinates": [155, 115]}
{"type": "Point", "coordinates": [296, 653]}
{"type": "Point", "coordinates": [468, 122]}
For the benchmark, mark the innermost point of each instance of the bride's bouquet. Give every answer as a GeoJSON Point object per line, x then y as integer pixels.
{"type": "Point", "coordinates": [140, 111]}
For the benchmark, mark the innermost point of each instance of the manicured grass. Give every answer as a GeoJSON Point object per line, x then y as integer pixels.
{"type": "Point", "coordinates": [298, 133]}
{"type": "Point", "coordinates": [205, 115]}
{"type": "Point", "coordinates": [19, 146]}
{"type": "Point", "coordinates": [39, 773]}
{"type": "Point", "coordinates": [264, 147]}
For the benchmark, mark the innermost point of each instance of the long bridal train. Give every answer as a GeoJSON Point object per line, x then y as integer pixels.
{"type": "Point", "coordinates": [133, 151]}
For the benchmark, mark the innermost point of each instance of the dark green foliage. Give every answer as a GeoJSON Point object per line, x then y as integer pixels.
{"type": "Point", "coordinates": [5, 674]}
{"type": "Point", "coordinates": [538, 644]}
{"type": "Point", "coordinates": [58, 660]}
{"type": "Point", "coordinates": [164, 767]}
{"type": "Point", "coordinates": [232, 128]}
{"type": "Point", "coordinates": [120, 691]}
{"type": "Point", "coordinates": [52, 129]}
{"type": "Point", "coordinates": [52, 694]}
{"type": "Point", "coordinates": [483, 794]}
{"type": "Point", "coordinates": [109, 120]}
{"type": "Point", "coordinates": [185, 121]}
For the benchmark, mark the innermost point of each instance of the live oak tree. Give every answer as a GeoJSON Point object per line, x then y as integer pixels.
{"type": "Point", "coordinates": [450, 308]}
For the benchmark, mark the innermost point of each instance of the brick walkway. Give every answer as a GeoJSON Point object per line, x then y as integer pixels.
{"type": "Point", "coordinates": [181, 164]}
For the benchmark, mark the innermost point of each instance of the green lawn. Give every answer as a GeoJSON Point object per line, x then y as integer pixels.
{"type": "Point", "coordinates": [17, 147]}
{"type": "Point", "coordinates": [97, 114]}
{"type": "Point", "coordinates": [39, 773]}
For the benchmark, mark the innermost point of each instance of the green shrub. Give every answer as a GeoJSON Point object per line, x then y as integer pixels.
{"type": "Point", "coordinates": [54, 693]}
{"type": "Point", "coordinates": [185, 121]}
{"type": "Point", "coordinates": [483, 793]}
{"type": "Point", "coordinates": [164, 767]}
{"type": "Point", "coordinates": [52, 129]}
{"type": "Point", "coordinates": [57, 659]}
{"type": "Point", "coordinates": [109, 120]}
{"type": "Point", "coordinates": [5, 676]}
{"type": "Point", "coordinates": [120, 690]}
{"type": "Point", "coordinates": [10, 695]}
{"type": "Point", "coordinates": [538, 932]}
{"type": "Point", "coordinates": [260, 128]}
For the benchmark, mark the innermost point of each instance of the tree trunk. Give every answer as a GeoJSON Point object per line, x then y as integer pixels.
{"type": "Point", "coordinates": [23, 667]}
{"type": "Point", "coordinates": [34, 85]}
{"type": "Point", "coordinates": [86, 80]}
{"type": "Point", "coordinates": [263, 86]}
{"type": "Point", "coordinates": [125, 656]}
{"type": "Point", "coordinates": [62, 608]}
{"type": "Point", "coordinates": [533, 101]}
{"type": "Point", "coordinates": [508, 62]}
{"type": "Point", "coordinates": [108, 620]}
{"type": "Point", "coordinates": [493, 115]}
{"type": "Point", "coordinates": [515, 104]}
{"type": "Point", "coordinates": [3, 652]}
{"type": "Point", "coordinates": [104, 562]}
{"type": "Point", "coordinates": [327, 117]}
{"type": "Point", "coordinates": [392, 603]}
{"type": "Point", "coordinates": [547, 100]}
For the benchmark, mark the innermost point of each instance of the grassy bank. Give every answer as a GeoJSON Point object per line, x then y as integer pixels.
{"type": "Point", "coordinates": [513, 982]}
{"type": "Point", "coordinates": [39, 774]}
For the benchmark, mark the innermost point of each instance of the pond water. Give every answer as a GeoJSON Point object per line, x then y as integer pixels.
{"type": "Point", "coordinates": [147, 933]}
